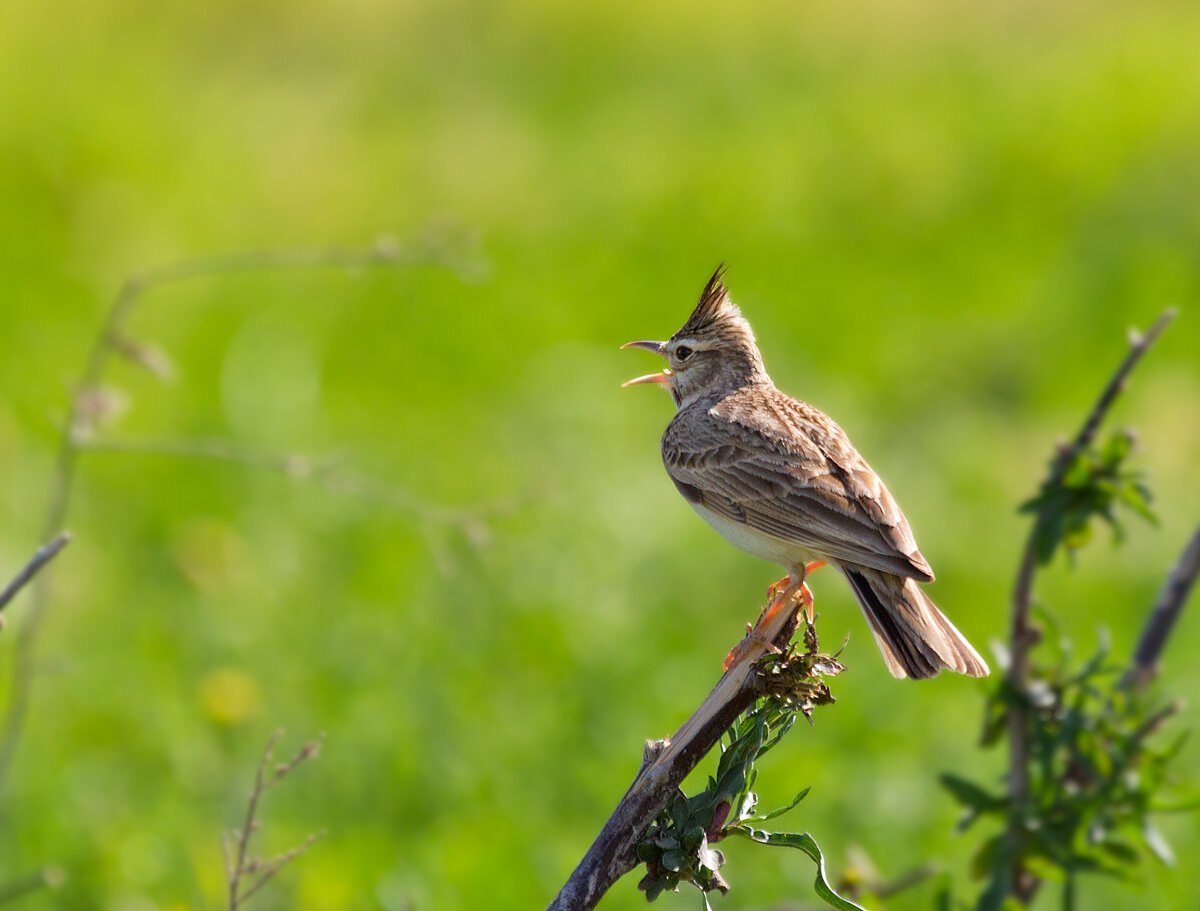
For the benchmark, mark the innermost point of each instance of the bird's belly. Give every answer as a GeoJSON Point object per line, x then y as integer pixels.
{"type": "Point", "coordinates": [768, 547]}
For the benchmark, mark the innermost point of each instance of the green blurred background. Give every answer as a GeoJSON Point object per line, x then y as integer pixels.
{"type": "Point", "coordinates": [940, 218]}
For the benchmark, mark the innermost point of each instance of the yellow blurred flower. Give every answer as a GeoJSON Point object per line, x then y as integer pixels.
{"type": "Point", "coordinates": [228, 695]}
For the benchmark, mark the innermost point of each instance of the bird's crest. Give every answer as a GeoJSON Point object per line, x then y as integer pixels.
{"type": "Point", "coordinates": [714, 308]}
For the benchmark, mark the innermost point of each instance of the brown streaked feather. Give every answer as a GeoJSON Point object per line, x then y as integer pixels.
{"type": "Point", "coordinates": [760, 457]}
{"type": "Point", "coordinates": [916, 639]}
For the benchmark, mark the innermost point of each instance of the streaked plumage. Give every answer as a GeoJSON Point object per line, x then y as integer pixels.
{"type": "Point", "coordinates": [781, 480]}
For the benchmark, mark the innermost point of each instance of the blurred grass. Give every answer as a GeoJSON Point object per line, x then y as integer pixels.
{"type": "Point", "coordinates": [940, 220]}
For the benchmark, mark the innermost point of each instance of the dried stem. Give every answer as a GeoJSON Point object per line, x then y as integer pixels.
{"type": "Point", "coordinates": [436, 248]}
{"type": "Point", "coordinates": [46, 878]}
{"type": "Point", "coordinates": [44, 555]}
{"type": "Point", "coordinates": [1022, 635]}
{"type": "Point", "coordinates": [327, 472]}
{"type": "Point", "coordinates": [240, 865]}
{"type": "Point", "coordinates": [1164, 614]}
{"type": "Point", "coordinates": [664, 766]}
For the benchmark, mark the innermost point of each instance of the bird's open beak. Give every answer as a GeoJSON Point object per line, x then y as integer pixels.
{"type": "Point", "coordinates": [663, 378]}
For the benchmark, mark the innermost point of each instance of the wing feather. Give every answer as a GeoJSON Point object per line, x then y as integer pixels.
{"type": "Point", "coordinates": [760, 457]}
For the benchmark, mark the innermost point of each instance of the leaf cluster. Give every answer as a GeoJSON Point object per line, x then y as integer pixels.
{"type": "Point", "coordinates": [1094, 771]}
{"type": "Point", "coordinates": [678, 846]}
{"type": "Point", "coordinates": [1085, 483]}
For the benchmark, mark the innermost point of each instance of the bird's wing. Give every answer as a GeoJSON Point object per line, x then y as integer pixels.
{"type": "Point", "coordinates": [787, 470]}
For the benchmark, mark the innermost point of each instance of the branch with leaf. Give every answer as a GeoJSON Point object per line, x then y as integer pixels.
{"type": "Point", "coordinates": [755, 703]}
{"type": "Point", "coordinates": [1086, 774]}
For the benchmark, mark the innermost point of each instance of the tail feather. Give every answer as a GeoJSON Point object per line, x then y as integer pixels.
{"type": "Point", "coordinates": [914, 636]}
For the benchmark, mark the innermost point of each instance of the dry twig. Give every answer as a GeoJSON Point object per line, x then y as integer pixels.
{"type": "Point", "coordinates": [44, 555]}
{"type": "Point", "coordinates": [45, 878]}
{"type": "Point", "coordinates": [240, 865]}
{"type": "Point", "coordinates": [87, 402]}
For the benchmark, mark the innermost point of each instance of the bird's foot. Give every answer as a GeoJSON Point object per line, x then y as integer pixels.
{"type": "Point", "coordinates": [780, 585]}
{"type": "Point", "coordinates": [776, 587]}
{"type": "Point", "coordinates": [746, 647]}
{"type": "Point", "coordinates": [806, 603]}
{"type": "Point", "coordinates": [781, 594]}
{"type": "Point", "coordinates": [756, 636]}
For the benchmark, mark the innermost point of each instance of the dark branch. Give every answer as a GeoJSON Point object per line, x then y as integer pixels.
{"type": "Point", "coordinates": [665, 765]}
{"type": "Point", "coordinates": [1022, 635]}
{"type": "Point", "coordinates": [1165, 613]}
{"type": "Point", "coordinates": [44, 555]}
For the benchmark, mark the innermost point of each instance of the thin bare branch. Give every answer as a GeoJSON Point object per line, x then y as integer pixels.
{"type": "Point", "coordinates": [438, 247]}
{"type": "Point", "coordinates": [1165, 614]}
{"type": "Point", "coordinates": [240, 865]}
{"type": "Point", "coordinates": [328, 472]}
{"type": "Point", "coordinates": [44, 555]}
{"type": "Point", "coordinates": [46, 878]}
{"type": "Point", "coordinates": [665, 765]}
{"type": "Point", "coordinates": [266, 869]}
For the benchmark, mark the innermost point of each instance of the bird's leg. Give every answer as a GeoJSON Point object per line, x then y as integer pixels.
{"type": "Point", "coordinates": [781, 594]}
{"type": "Point", "coordinates": [777, 586]}
{"type": "Point", "coordinates": [806, 595]}
{"type": "Point", "coordinates": [780, 585]}
{"type": "Point", "coordinates": [754, 634]}
{"type": "Point", "coordinates": [806, 602]}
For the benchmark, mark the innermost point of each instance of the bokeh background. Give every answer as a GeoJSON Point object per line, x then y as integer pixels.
{"type": "Point", "coordinates": [940, 218]}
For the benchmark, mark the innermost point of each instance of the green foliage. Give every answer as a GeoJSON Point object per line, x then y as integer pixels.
{"type": "Point", "coordinates": [936, 215]}
{"type": "Point", "coordinates": [1096, 776]}
{"type": "Point", "coordinates": [1092, 773]}
{"type": "Point", "coordinates": [678, 846]}
{"type": "Point", "coordinates": [1094, 483]}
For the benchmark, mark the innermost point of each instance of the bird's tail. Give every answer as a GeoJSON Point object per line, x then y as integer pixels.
{"type": "Point", "coordinates": [915, 637]}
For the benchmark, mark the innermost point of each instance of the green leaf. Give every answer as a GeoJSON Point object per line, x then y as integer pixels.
{"type": "Point", "coordinates": [970, 794]}
{"type": "Point", "coordinates": [673, 861]}
{"type": "Point", "coordinates": [791, 806]}
{"type": "Point", "coordinates": [1079, 473]}
{"type": "Point", "coordinates": [803, 842]}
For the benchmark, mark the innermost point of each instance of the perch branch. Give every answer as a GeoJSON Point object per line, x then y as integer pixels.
{"type": "Point", "coordinates": [1022, 635]}
{"type": "Point", "coordinates": [664, 767]}
{"type": "Point", "coordinates": [1165, 613]}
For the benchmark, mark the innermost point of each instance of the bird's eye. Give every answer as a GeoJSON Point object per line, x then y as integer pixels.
{"type": "Point", "coordinates": [683, 352]}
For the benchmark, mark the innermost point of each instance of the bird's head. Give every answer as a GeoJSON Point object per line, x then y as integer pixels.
{"type": "Point", "coordinates": [714, 351]}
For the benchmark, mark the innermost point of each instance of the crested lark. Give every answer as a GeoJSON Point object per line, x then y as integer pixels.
{"type": "Point", "coordinates": [779, 479]}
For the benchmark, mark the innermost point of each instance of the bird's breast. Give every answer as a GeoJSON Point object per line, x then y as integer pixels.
{"type": "Point", "coordinates": [752, 541]}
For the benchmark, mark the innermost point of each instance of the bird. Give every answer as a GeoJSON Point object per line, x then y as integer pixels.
{"type": "Point", "coordinates": [781, 480]}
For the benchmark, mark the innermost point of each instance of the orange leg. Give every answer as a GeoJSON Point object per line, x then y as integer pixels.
{"type": "Point", "coordinates": [753, 632]}
{"type": "Point", "coordinates": [806, 602]}
{"type": "Point", "coordinates": [779, 593]}
{"type": "Point", "coordinates": [777, 586]}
